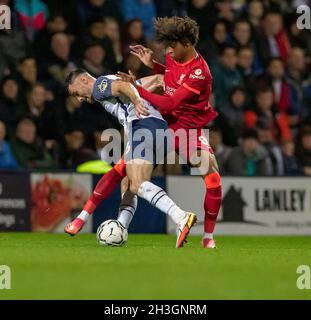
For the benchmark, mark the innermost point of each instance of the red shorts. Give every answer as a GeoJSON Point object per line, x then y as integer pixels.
{"type": "Point", "coordinates": [188, 141]}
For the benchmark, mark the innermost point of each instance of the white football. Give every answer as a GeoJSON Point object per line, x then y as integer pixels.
{"type": "Point", "coordinates": [112, 233]}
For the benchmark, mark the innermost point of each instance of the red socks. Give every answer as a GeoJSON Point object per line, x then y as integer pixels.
{"type": "Point", "coordinates": [212, 201]}
{"type": "Point", "coordinates": [105, 186]}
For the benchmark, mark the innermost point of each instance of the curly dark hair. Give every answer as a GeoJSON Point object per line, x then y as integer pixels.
{"type": "Point", "coordinates": [176, 29]}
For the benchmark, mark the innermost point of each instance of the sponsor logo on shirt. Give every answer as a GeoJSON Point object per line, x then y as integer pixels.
{"type": "Point", "coordinates": [194, 76]}
{"type": "Point", "coordinates": [170, 91]}
{"type": "Point", "coordinates": [197, 74]}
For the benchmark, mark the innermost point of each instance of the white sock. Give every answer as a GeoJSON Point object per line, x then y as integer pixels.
{"type": "Point", "coordinates": [127, 208]}
{"type": "Point", "coordinates": [84, 215]}
{"type": "Point", "coordinates": [159, 199]}
{"type": "Point", "coordinates": [207, 235]}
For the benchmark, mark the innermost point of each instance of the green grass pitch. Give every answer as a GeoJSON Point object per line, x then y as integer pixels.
{"type": "Point", "coordinates": [55, 266]}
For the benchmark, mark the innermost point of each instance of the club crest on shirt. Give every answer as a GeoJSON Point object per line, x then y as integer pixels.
{"type": "Point", "coordinates": [198, 72]}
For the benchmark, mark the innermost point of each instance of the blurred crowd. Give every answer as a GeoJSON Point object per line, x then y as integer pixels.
{"type": "Point", "coordinates": [260, 62]}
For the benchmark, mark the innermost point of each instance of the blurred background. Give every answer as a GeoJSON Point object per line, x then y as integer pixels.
{"type": "Point", "coordinates": [260, 62]}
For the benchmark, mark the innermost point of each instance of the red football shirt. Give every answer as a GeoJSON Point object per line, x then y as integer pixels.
{"type": "Point", "coordinates": [185, 103]}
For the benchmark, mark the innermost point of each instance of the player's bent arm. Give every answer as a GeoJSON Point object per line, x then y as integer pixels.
{"type": "Point", "coordinates": [127, 89]}
{"type": "Point", "coordinates": [105, 88]}
{"type": "Point", "coordinates": [119, 88]}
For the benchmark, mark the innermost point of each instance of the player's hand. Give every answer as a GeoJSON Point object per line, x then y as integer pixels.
{"type": "Point", "coordinates": [127, 77]}
{"type": "Point", "coordinates": [143, 54]}
{"type": "Point", "coordinates": [140, 108]}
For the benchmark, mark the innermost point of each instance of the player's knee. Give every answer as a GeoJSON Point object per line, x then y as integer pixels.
{"type": "Point", "coordinates": [212, 180]}
{"type": "Point", "coordinates": [134, 186]}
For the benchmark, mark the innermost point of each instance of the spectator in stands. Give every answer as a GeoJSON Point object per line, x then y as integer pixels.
{"type": "Point", "coordinates": [241, 34]}
{"type": "Point", "coordinates": [56, 24]}
{"type": "Point", "coordinates": [13, 42]}
{"type": "Point", "coordinates": [231, 116]}
{"type": "Point", "coordinates": [299, 78]}
{"type": "Point", "coordinates": [264, 114]}
{"type": "Point", "coordinates": [97, 32]}
{"type": "Point", "coordinates": [255, 12]}
{"type": "Point", "coordinates": [68, 11]}
{"type": "Point", "coordinates": [211, 45]}
{"type": "Point", "coordinates": [274, 40]}
{"type": "Point", "coordinates": [143, 9]}
{"type": "Point", "coordinates": [90, 8]}
{"type": "Point", "coordinates": [274, 152]}
{"type": "Point", "coordinates": [75, 153]}
{"type": "Point", "coordinates": [36, 99]}
{"type": "Point", "coordinates": [304, 151]}
{"type": "Point", "coordinates": [299, 37]}
{"type": "Point", "coordinates": [224, 9]}
{"type": "Point", "coordinates": [168, 8]}
{"type": "Point", "coordinates": [242, 37]}
{"type": "Point", "coordinates": [33, 15]}
{"type": "Point", "coordinates": [250, 158]}
{"type": "Point", "coordinates": [46, 115]}
{"type": "Point", "coordinates": [112, 31]}
{"type": "Point", "coordinates": [245, 65]}
{"type": "Point", "coordinates": [11, 107]}
{"type": "Point", "coordinates": [222, 152]}
{"type": "Point", "coordinates": [285, 96]}
{"type": "Point", "coordinates": [94, 60]}
{"type": "Point", "coordinates": [29, 149]}
{"type": "Point", "coordinates": [61, 63]}
{"type": "Point", "coordinates": [225, 75]}
{"type": "Point", "coordinates": [7, 159]}
{"type": "Point", "coordinates": [291, 166]}
{"type": "Point", "coordinates": [27, 73]}
{"type": "Point", "coordinates": [199, 10]}
{"type": "Point", "coordinates": [133, 35]}
{"type": "Point", "coordinates": [71, 113]}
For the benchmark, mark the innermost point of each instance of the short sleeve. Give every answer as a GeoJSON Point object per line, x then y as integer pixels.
{"type": "Point", "coordinates": [102, 88]}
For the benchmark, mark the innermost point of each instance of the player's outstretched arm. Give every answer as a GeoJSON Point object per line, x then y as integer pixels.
{"type": "Point", "coordinates": [152, 83]}
{"type": "Point", "coordinates": [166, 104]}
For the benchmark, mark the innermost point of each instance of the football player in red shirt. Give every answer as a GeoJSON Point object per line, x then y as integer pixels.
{"type": "Point", "coordinates": [185, 105]}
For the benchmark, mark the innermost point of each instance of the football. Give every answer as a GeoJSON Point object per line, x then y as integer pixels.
{"type": "Point", "coordinates": [112, 233]}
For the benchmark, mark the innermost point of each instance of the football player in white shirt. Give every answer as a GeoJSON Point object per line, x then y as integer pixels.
{"type": "Point", "coordinates": [122, 100]}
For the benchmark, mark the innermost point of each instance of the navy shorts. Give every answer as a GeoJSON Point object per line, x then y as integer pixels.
{"type": "Point", "coordinates": [148, 139]}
